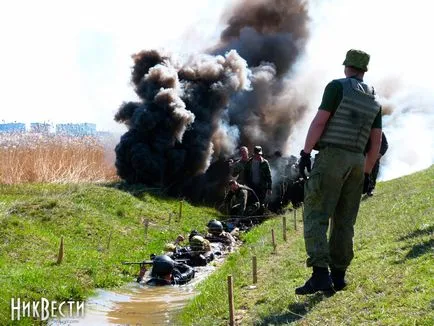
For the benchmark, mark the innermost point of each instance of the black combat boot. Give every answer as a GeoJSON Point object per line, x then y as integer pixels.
{"type": "Point", "coordinates": [319, 281]}
{"type": "Point", "coordinates": [338, 278]}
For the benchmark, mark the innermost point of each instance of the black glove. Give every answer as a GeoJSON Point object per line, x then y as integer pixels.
{"type": "Point", "coordinates": [366, 183]}
{"type": "Point", "coordinates": [304, 163]}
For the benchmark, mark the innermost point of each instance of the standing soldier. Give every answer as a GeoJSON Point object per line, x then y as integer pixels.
{"type": "Point", "coordinates": [348, 116]}
{"type": "Point", "coordinates": [258, 175]}
{"type": "Point", "coordinates": [238, 167]}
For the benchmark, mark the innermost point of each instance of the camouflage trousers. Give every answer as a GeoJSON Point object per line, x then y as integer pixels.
{"type": "Point", "coordinates": [332, 193]}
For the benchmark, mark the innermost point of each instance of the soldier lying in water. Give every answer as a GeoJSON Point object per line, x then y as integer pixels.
{"type": "Point", "coordinates": [198, 253]}
{"type": "Point", "coordinates": [217, 234]}
{"type": "Point", "coordinates": [165, 271]}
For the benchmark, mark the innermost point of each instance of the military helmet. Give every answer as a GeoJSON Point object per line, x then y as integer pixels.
{"type": "Point", "coordinates": [357, 59]}
{"type": "Point", "coordinates": [169, 247]}
{"type": "Point", "coordinates": [197, 243]}
{"type": "Point", "coordinates": [215, 226]}
{"type": "Point", "coordinates": [192, 234]}
{"type": "Point", "coordinates": [257, 150]}
{"type": "Point", "coordinates": [162, 266]}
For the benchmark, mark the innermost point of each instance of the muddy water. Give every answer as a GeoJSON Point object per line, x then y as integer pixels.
{"type": "Point", "coordinates": [137, 304]}
{"type": "Point", "coordinates": [141, 304]}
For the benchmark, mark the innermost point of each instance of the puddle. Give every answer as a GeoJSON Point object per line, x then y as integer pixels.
{"type": "Point", "coordinates": [137, 304]}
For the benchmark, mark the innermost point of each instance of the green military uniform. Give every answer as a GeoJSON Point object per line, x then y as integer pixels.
{"type": "Point", "coordinates": [236, 201]}
{"type": "Point", "coordinates": [335, 184]}
{"type": "Point", "coordinates": [238, 171]}
{"type": "Point", "coordinates": [264, 183]}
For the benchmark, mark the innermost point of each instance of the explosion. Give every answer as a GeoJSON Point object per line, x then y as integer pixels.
{"type": "Point", "coordinates": [193, 114]}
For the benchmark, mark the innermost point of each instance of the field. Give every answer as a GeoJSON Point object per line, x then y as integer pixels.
{"type": "Point", "coordinates": [33, 157]}
{"type": "Point", "coordinates": [390, 280]}
{"type": "Point", "coordinates": [61, 187]}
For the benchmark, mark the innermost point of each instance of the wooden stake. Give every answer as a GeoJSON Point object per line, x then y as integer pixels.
{"type": "Point", "coordinates": [146, 223]}
{"type": "Point", "coordinates": [180, 210]}
{"type": "Point", "coordinates": [109, 240]}
{"type": "Point", "coordinates": [295, 219]}
{"type": "Point", "coordinates": [255, 270]}
{"type": "Point", "coordinates": [231, 301]}
{"type": "Point", "coordinates": [61, 251]}
{"type": "Point", "coordinates": [273, 239]}
{"type": "Point", "coordinates": [284, 227]}
{"type": "Point", "coordinates": [170, 217]}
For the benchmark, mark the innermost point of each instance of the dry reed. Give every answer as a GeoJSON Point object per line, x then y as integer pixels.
{"type": "Point", "coordinates": [31, 157]}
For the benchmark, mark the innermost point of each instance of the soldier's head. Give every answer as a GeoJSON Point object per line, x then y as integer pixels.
{"type": "Point", "coordinates": [233, 184]}
{"type": "Point", "coordinates": [192, 234]}
{"type": "Point", "coordinates": [169, 247]}
{"type": "Point", "coordinates": [257, 151]}
{"type": "Point", "coordinates": [244, 152]}
{"type": "Point", "coordinates": [199, 244]}
{"type": "Point", "coordinates": [356, 63]}
{"type": "Point", "coordinates": [215, 227]}
{"type": "Point", "coordinates": [162, 267]}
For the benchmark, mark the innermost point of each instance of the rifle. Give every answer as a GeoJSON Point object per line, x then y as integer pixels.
{"type": "Point", "coordinates": [141, 263]}
{"type": "Point", "coordinates": [151, 262]}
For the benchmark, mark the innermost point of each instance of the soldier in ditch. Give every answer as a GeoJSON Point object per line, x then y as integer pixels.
{"type": "Point", "coordinates": [217, 234]}
{"type": "Point", "coordinates": [197, 253]}
{"type": "Point", "coordinates": [240, 200]}
{"type": "Point", "coordinates": [165, 271]}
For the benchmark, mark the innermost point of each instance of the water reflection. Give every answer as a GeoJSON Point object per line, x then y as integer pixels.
{"type": "Point", "coordinates": [137, 304]}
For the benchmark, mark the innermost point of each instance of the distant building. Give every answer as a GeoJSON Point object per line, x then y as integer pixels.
{"type": "Point", "coordinates": [40, 127]}
{"type": "Point", "coordinates": [76, 129]}
{"type": "Point", "coordinates": [15, 127]}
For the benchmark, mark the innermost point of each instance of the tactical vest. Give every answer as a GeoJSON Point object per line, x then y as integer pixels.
{"type": "Point", "coordinates": [350, 126]}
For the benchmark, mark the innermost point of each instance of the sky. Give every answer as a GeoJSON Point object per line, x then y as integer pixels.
{"type": "Point", "coordinates": [69, 61]}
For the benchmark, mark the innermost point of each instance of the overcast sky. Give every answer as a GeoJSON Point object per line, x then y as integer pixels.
{"type": "Point", "coordinates": [69, 61]}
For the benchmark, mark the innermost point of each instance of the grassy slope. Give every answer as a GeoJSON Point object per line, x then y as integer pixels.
{"type": "Point", "coordinates": [391, 278]}
{"type": "Point", "coordinates": [34, 217]}
{"type": "Point", "coordinates": [391, 275]}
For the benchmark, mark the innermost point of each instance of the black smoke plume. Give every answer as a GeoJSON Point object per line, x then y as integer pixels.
{"type": "Point", "coordinates": [270, 36]}
{"type": "Point", "coordinates": [193, 115]}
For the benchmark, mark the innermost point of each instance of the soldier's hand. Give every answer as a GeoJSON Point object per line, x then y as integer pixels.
{"type": "Point", "coordinates": [142, 273]}
{"type": "Point", "coordinates": [304, 163]}
{"type": "Point", "coordinates": [366, 183]}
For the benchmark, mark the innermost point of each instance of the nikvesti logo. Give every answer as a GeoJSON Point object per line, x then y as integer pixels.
{"type": "Point", "coordinates": [44, 309]}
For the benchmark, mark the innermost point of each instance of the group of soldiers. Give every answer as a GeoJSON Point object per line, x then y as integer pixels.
{"type": "Point", "coordinates": [258, 184]}
{"type": "Point", "coordinates": [251, 188]}
{"type": "Point", "coordinates": [175, 267]}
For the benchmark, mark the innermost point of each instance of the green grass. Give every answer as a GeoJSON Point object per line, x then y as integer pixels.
{"type": "Point", "coordinates": [391, 277]}
{"type": "Point", "coordinates": [89, 217]}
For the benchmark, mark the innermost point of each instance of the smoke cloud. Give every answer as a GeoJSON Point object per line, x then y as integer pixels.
{"type": "Point", "coordinates": [397, 70]}
{"type": "Point", "coordinates": [197, 111]}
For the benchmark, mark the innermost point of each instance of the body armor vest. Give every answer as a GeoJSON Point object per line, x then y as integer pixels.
{"type": "Point", "coordinates": [350, 126]}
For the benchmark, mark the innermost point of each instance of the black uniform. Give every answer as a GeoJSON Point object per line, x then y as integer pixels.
{"type": "Point", "coordinates": [181, 274]}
